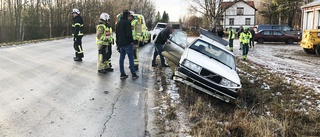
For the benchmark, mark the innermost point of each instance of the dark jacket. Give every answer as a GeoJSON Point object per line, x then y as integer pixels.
{"type": "Point", "coordinates": [252, 33]}
{"type": "Point", "coordinates": [77, 26]}
{"type": "Point", "coordinates": [164, 35]}
{"type": "Point", "coordinates": [239, 32]}
{"type": "Point", "coordinates": [123, 31]}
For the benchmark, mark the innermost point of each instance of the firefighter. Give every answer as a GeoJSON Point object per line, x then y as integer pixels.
{"type": "Point", "coordinates": [244, 39]}
{"type": "Point", "coordinates": [77, 34]}
{"type": "Point", "coordinates": [231, 38]}
{"type": "Point", "coordinates": [109, 50]}
{"type": "Point", "coordinates": [136, 34]}
{"type": "Point", "coordinates": [103, 40]}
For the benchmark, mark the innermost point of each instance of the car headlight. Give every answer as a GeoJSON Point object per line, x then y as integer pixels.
{"type": "Point", "coordinates": [228, 83]}
{"type": "Point", "coordinates": [194, 67]}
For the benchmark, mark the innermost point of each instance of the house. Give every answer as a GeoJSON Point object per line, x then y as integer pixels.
{"type": "Point", "coordinates": [238, 13]}
{"type": "Point", "coordinates": [310, 15]}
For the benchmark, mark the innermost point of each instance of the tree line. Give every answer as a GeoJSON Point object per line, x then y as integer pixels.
{"type": "Point", "coordinates": [37, 19]}
{"type": "Point", "coordinates": [268, 12]}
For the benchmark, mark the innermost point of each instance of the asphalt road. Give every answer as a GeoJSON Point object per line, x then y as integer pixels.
{"type": "Point", "coordinates": [43, 92]}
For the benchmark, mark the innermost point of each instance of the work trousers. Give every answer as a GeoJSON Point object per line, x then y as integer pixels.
{"type": "Point", "coordinates": [102, 63]}
{"type": "Point", "coordinates": [77, 45]}
{"type": "Point", "coordinates": [245, 50]}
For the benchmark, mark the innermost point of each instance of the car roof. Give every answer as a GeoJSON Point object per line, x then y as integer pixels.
{"type": "Point", "coordinates": [161, 23]}
{"type": "Point", "coordinates": [270, 30]}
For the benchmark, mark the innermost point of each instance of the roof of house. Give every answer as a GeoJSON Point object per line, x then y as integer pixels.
{"type": "Point", "coordinates": [314, 3]}
{"type": "Point", "coordinates": [226, 5]}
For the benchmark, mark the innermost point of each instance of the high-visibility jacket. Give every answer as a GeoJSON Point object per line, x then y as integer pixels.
{"type": "Point", "coordinates": [136, 29]}
{"type": "Point", "coordinates": [245, 37]}
{"type": "Point", "coordinates": [231, 34]}
{"type": "Point", "coordinates": [103, 35]}
{"type": "Point", "coordinates": [133, 27]}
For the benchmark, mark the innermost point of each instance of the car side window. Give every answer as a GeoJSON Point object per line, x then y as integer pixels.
{"type": "Point", "coordinates": [277, 33]}
{"type": "Point", "coordinates": [267, 33]}
{"type": "Point", "coordinates": [286, 28]}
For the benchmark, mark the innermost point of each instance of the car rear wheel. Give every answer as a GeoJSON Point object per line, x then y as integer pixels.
{"type": "Point", "coordinates": [290, 41]}
{"type": "Point", "coordinates": [141, 43]}
{"type": "Point", "coordinates": [317, 50]}
{"type": "Point", "coordinates": [260, 41]}
{"type": "Point", "coordinates": [149, 38]}
{"type": "Point", "coordinates": [309, 51]}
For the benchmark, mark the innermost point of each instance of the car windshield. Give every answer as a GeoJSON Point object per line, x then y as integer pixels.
{"type": "Point", "coordinates": [179, 38]}
{"type": "Point", "coordinates": [214, 52]}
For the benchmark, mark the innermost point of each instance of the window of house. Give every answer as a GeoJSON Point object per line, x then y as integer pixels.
{"type": "Point", "coordinates": [248, 21]}
{"type": "Point", "coordinates": [231, 21]}
{"type": "Point", "coordinates": [240, 10]}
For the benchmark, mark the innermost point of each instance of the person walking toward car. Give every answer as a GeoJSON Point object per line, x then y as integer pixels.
{"type": "Point", "coordinates": [159, 41]}
{"type": "Point", "coordinates": [77, 34]}
{"type": "Point", "coordinates": [252, 38]}
{"type": "Point", "coordinates": [244, 39]}
{"type": "Point", "coordinates": [239, 33]}
{"type": "Point", "coordinates": [124, 41]}
{"type": "Point", "coordinates": [103, 39]}
{"type": "Point", "coordinates": [231, 38]}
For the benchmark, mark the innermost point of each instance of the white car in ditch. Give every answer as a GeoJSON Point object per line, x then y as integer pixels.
{"type": "Point", "coordinates": [204, 64]}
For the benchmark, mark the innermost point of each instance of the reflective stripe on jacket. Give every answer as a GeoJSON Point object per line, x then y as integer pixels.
{"type": "Point", "coordinates": [103, 35]}
{"type": "Point", "coordinates": [245, 37]}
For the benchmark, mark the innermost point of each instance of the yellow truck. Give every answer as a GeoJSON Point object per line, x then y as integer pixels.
{"type": "Point", "coordinates": [146, 35]}
{"type": "Point", "coordinates": [311, 41]}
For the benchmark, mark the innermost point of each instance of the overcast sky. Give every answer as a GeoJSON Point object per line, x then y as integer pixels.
{"type": "Point", "coordinates": [175, 8]}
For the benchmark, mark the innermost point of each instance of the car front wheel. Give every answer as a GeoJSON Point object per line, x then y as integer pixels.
{"type": "Point", "coordinates": [290, 41]}
{"type": "Point", "coordinates": [260, 41]}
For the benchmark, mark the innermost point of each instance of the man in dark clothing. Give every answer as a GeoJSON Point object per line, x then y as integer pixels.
{"type": "Point", "coordinates": [220, 32]}
{"type": "Point", "coordinates": [124, 41]}
{"type": "Point", "coordinates": [77, 34]}
{"type": "Point", "coordinates": [239, 32]}
{"type": "Point", "coordinates": [252, 38]}
{"type": "Point", "coordinates": [159, 41]}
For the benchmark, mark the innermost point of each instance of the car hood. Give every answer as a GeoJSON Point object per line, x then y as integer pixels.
{"type": "Point", "coordinates": [212, 65]}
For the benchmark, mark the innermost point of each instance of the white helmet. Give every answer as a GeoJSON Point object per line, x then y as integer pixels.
{"type": "Point", "coordinates": [76, 11]}
{"type": "Point", "coordinates": [104, 16]}
{"type": "Point", "coordinates": [131, 13]}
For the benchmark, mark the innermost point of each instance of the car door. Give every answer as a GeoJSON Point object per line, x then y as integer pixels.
{"type": "Point", "coordinates": [267, 35]}
{"type": "Point", "coordinates": [278, 36]}
{"type": "Point", "coordinates": [174, 49]}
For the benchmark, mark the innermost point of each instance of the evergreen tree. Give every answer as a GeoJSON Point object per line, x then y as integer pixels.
{"type": "Point", "coordinates": [165, 17]}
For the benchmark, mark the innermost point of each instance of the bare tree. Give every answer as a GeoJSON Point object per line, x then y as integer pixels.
{"type": "Point", "coordinates": [210, 10]}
